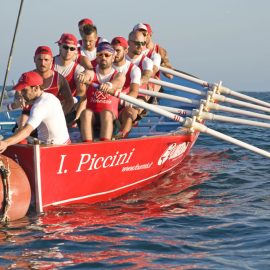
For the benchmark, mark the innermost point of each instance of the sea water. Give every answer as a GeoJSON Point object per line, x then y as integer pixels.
{"type": "Point", "coordinates": [211, 212]}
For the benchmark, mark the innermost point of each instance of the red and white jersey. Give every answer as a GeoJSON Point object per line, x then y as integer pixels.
{"type": "Point", "coordinates": [143, 62]}
{"type": "Point", "coordinates": [53, 88]}
{"type": "Point", "coordinates": [69, 72]}
{"type": "Point", "coordinates": [132, 73]}
{"type": "Point", "coordinates": [91, 55]}
{"type": "Point", "coordinates": [98, 101]}
{"type": "Point", "coordinates": [154, 56]}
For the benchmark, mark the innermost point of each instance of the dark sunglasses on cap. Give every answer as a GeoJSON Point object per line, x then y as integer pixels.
{"type": "Point", "coordinates": [139, 43]}
{"type": "Point", "coordinates": [66, 47]}
{"type": "Point", "coordinates": [106, 55]}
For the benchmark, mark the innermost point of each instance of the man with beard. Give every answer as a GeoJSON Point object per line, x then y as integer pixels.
{"type": "Point", "coordinates": [46, 114]}
{"type": "Point", "coordinates": [153, 48]}
{"type": "Point", "coordinates": [53, 83]}
{"type": "Point", "coordinates": [136, 42]}
{"type": "Point", "coordinates": [101, 106]}
{"type": "Point", "coordinates": [127, 113]}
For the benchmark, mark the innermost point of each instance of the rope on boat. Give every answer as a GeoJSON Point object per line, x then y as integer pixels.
{"type": "Point", "coordinates": [5, 173]}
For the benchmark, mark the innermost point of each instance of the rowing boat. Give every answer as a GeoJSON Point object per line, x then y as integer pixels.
{"type": "Point", "coordinates": [45, 176]}
{"type": "Point", "coordinates": [90, 173]}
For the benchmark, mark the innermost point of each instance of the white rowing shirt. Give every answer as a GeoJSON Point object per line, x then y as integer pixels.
{"type": "Point", "coordinates": [48, 117]}
{"type": "Point", "coordinates": [147, 63]}
{"type": "Point", "coordinates": [65, 70]}
{"type": "Point", "coordinates": [135, 73]}
{"type": "Point", "coordinates": [155, 57]}
{"type": "Point", "coordinates": [91, 55]}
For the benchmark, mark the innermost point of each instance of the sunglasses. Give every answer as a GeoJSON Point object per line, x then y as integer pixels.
{"type": "Point", "coordinates": [139, 43]}
{"type": "Point", "coordinates": [66, 47]}
{"type": "Point", "coordinates": [106, 55]}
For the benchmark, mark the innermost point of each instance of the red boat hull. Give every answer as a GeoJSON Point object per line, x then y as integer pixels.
{"type": "Point", "coordinates": [89, 173]}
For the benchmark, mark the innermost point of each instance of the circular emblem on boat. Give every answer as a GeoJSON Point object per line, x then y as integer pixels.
{"type": "Point", "coordinates": [165, 156]}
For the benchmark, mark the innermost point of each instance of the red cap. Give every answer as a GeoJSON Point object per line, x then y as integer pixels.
{"type": "Point", "coordinates": [43, 50]}
{"type": "Point", "coordinates": [140, 26]}
{"type": "Point", "coordinates": [149, 29]}
{"type": "Point", "coordinates": [30, 78]}
{"type": "Point", "coordinates": [120, 41]}
{"type": "Point", "coordinates": [85, 21]}
{"type": "Point", "coordinates": [67, 38]}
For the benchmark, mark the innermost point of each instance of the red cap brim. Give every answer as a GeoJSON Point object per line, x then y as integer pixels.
{"type": "Point", "coordinates": [20, 86]}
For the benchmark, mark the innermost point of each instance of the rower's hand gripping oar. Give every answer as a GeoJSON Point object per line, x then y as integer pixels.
{"type": "Point", "coordinates": [190, 123]}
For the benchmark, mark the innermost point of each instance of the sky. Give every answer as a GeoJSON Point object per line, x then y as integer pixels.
{"type": "Point", "coordinates": [216, 40]}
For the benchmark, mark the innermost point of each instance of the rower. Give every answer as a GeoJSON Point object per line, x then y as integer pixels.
{"type": "Point", "coordinates": [136, 42]}
{"type": "Point", "coordinates": [101, 106]}
{"type": "Point", "coordinates": [152, 47]}
{"type": "Point", "coordinates": [46, 114]}
{"type": "Point", "coordinates": [127, 113]}
{"type": "Point", "coordinates": [88, 43]}
{"type": "Point", "coordinates": [53, 83]}
{"type": "Point", "coordinates": [81, 25]}
{"type": "Point", "coordinates": [65, 64]}
{"type": "Point", "coordinates": [152, 54]}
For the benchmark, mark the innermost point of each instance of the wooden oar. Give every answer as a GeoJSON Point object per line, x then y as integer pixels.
{"type": "Point", "coordinates": [202, 128]}
{"type": "Point", "coordinates": [177, 87]}
{"type": "Point", "coordinates": [196, 102]}
{"type": "Point", "coordinates": [227, 91]}
{"type": "Point", "coordinates": [185, 76]}
{"type": "Point", "coordinates": [191, 123]}
{"type": "Point", "coordinates": [215, 106]}
{"type": "Point", "coordinates": [221, 89]}
{"type": "Point", "coordinates": [218, 107]}
{"type": "Point", "coordinates": [222, 98]}
{"type": "Point", "coordinates": [215, 117]}
{"type": "Point", "coordinates": [168, 96]}
{"type": "Point", "coordinates": [10, 54]}
{"type": "Point", "coordinates": [215, 96]}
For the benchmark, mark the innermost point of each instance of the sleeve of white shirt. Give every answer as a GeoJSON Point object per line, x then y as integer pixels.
{"type": "Point", "coordinates": [135, 75]}
{"type": "Point", "coordinates": [156, 58]}
{"type": "Point", "coordinates": [147, 64]}
{"type": "Point", "coordinates": [37, 114]}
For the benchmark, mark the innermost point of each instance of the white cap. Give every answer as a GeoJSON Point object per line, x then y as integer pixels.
{"type": "Point", "coordinates": [140, 26]}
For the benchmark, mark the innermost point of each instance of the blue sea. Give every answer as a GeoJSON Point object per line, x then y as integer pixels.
{"type": "Point", "coordinates": [211, 212]}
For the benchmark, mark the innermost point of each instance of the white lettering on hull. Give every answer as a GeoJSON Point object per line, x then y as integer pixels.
{"type": "Point", "coordinates": [91, 162]}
